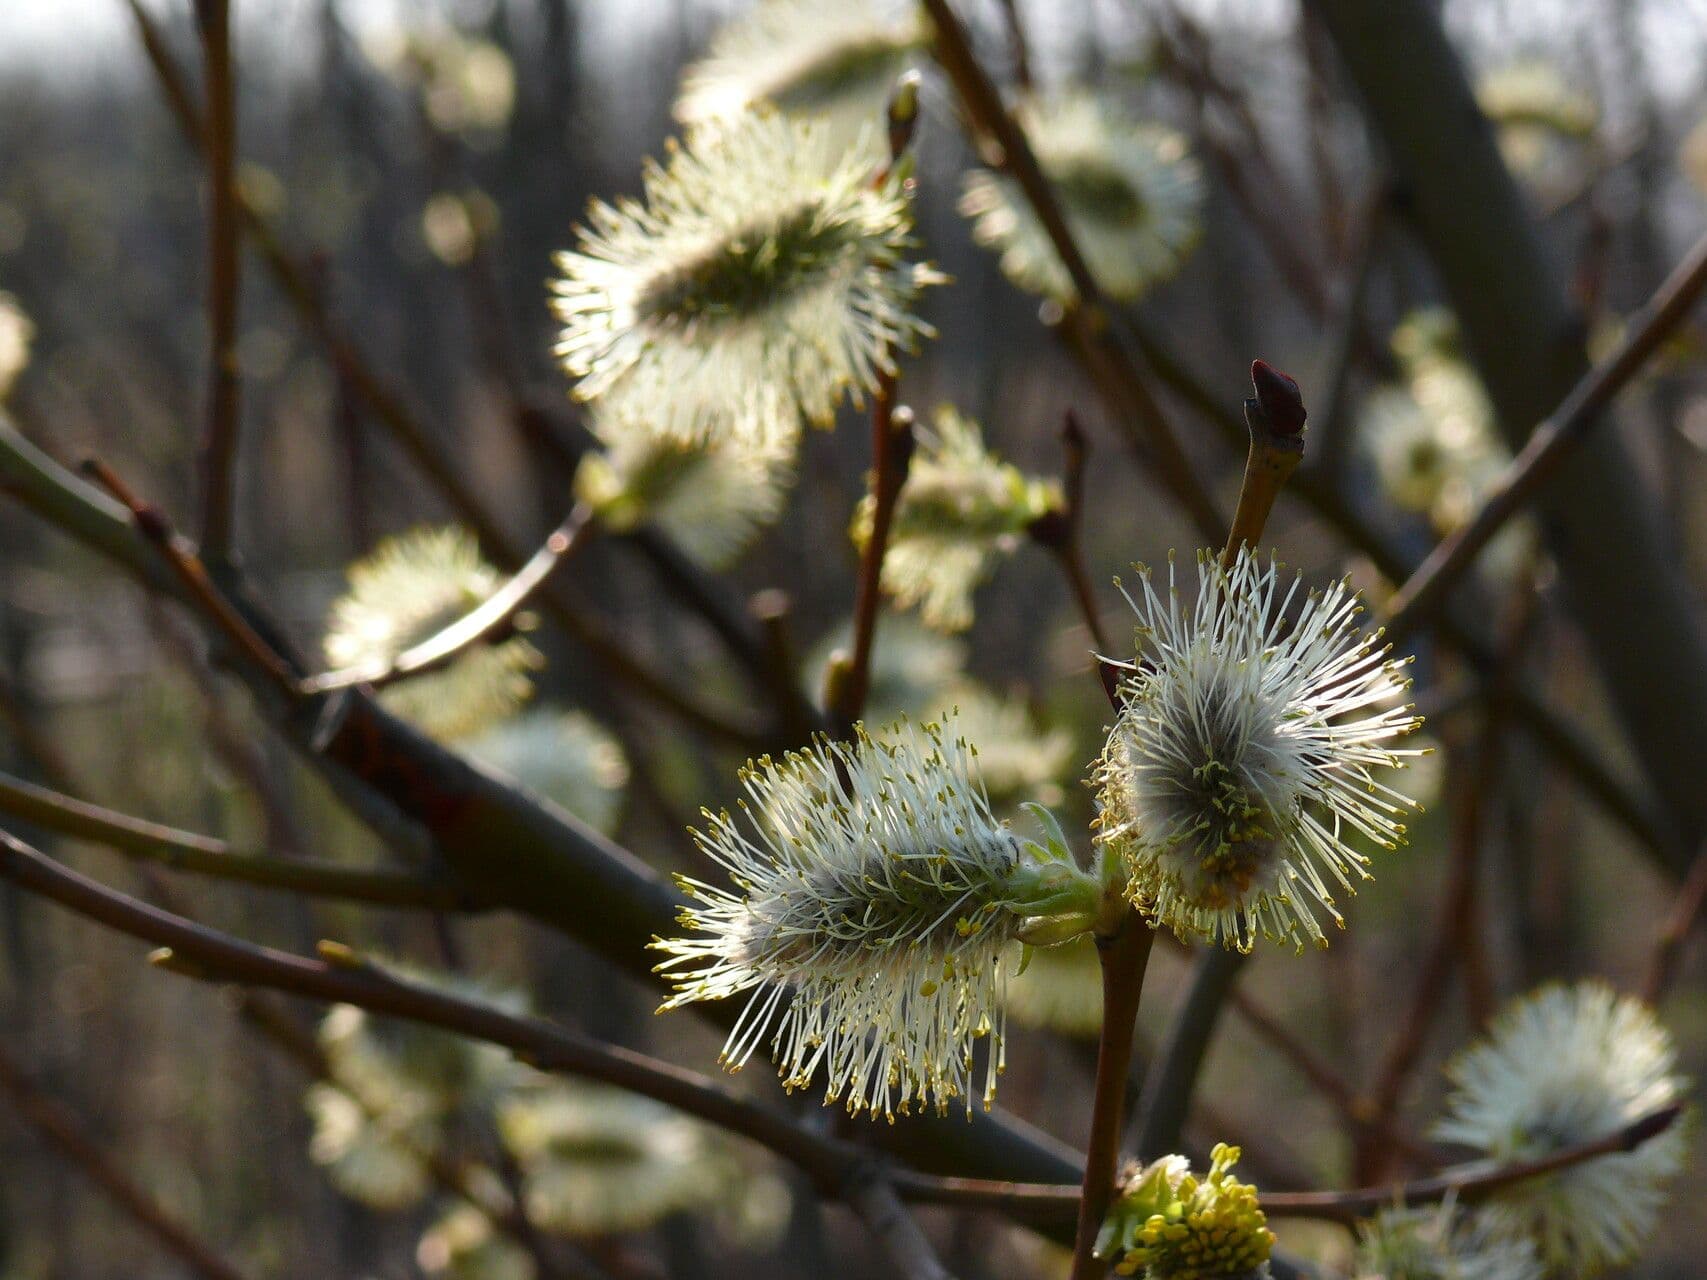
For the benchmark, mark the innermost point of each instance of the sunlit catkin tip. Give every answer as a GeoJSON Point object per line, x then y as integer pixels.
{"type": "Point", "coordinates": [835, 64]}
{"type": "Point", "coordinates": [17, 332]}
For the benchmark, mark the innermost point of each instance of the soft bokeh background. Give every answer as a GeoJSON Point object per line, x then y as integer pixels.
{"type": "Point", "coordinates": [100, 242]}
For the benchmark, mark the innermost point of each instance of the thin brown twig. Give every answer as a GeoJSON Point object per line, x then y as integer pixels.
{"type": "Point", "coordinates": [492, 616]}
{"type": "Point", "coordinates": [1061, 532]}
{"type": "Point", "coordinates": [411, 435]}
{"type": "Point", "coordinates": [1050, 1203]}
{"type": "Point", "coordinates": [1550, 444]}
{"type": "Point", "coordinates": [1322, 1077]}
{"type": "Point", "coordinates": [891, 453]}
{"type": "Point", "coordinates": [1349, 294]}
{"type": "Point", "coordinates": [1564, 744]}
{"type": "Point", "coordinates": [224, 406]}
{"type": "Point", "coordinates": [1123, 959]}
{"type": "Point", "coordinates": [1458, 935]}
{"type": "Point", "coordinates": [216, 859]}
{"type": "Point", "coordinates": [59, 1127]}
{"type": "Point", "coordinates": [1275, 418]}
{"type": "Point", "coordinates": [1088, 321]}
{"type": "Point", "coordinates": [1472, 782]}
{"type": "Point", "coordinates": [341, 976]}
{"type": "Point", "coordinates": [230, 743]}
{"type": "Point", "coordinates": [871, 1195]}
{"type": "Point", "coordinates": [454, 1177]}
{"type": "Point", "coordinates": [1019, 48]}
{"type": "Point", "coordinates": [186, 565]}
{"type": "Point", "coordinates": [1256, 186]}
{"type": "Point", "coordinates": [1685, 913]}
{"type": "Point", "coordinates": [411, 791]}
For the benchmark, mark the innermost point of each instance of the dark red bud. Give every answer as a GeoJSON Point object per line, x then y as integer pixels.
{"type": "Point", "coordinates": [1282, 403]}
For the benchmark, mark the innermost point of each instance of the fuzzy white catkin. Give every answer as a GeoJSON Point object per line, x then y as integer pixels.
{"type": "Point", "coordinates": [1243, 762]}
{"type": "Point", "coordinates": [867, 924]}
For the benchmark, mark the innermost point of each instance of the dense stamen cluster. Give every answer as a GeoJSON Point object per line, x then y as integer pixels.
{"type": "Point", "coordinates": [874, 899]}
{"type": "Point", "coordinates": [1170, 1224]}
{"type": "Point", "coordinates": [763, 261]}
{"type": "Point", "coordinates": [1243, 759]}
{"type": "Point", "coordinates": [409, 588]}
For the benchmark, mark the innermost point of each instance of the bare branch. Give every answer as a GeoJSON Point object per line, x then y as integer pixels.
{"type": "Point", "coordinates": [891, 455]}
{"type": "Point", "coordinates": [872, 1197]}
{"type": "Point", "coordinates": [1550, 443]}
{"type": "Point", "coordinates": [1045, 1203]}
{"type": "Point", "coordinates": [1680, 923]}
{"type": "Point", "coordinates": [60, 1128]}
{"type": "Point", "coordinates": [1088, 323]}
{"type": "Point", "coordinates": [219, 445]}
{"type": "Point", "coordinates": [492, 616]}
{"type": "Point", "coordinates": [207, 856]}
{"type": "Point", "coordinates": [1124, 958]}
{"type": "Point", "coordinates": [206, 953]}
{"type": "Point", "coordinates": [1060, 532]}
{"type": "Point", "coordinates": [198, 587]}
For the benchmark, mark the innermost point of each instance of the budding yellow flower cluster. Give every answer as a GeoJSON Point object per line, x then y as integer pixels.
{"type": "Point", "coordinates": [1170, 1225]}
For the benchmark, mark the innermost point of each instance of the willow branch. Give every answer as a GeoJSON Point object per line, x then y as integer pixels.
{"type": "Point", "coordinates": [197, 951]}
{"type": "Point", "coordinates": [1565, 745]}
{"type": "Point", "coordinates": [1123, 960]}
{"type": "Point", "coordinates": [872, 1197]}
{"type": "Point", "coordinates": [1468, 1183]}
{"type": "Point", "coordinates": [412, 436]}
{"type": "Point", "coordinates": [493, 615]}
{"type": "Point", "coordinates": [891, 455]}
{"type": "Point", "coordinates": [1476, 773]}
{"type": "Point", "coordinates": [1061, 531]}
{"type": "Point", "coordinates": [1275, 419]}
{"type": "Point", "coordinates": [1088, 322]}
{"type": "Point", "coordinates": [206, 856]}
{"type": "Point", "coordinates": [1050, 1203]}
{"type": "Point", "coordinates": [1685, 913]}
{"type": "Point", "coordinates": [1550, 443]}
{"type": "Point", "coordinates": [60, 1128]}
{"type": "Point", "coordinates": [186, 565]}
{"type": "Point", "coordinates": [1333, 417]}
{"type": "Point", "coordinates": [219, 445]}
{"type": "Point", "coordinates": [1495, 268]}
{"type": "Point", "coordinates": [1172, 1078]}
{"type": "Point", "coordinates": [426, 800]}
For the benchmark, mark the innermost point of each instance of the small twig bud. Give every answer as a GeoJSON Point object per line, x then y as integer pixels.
{"type": "Point", "coordinates": [1279, 398]}
{"type": "Point", "coordinates": [338, 954]}
{"type": "Point", "coordinates": [903, 115]}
